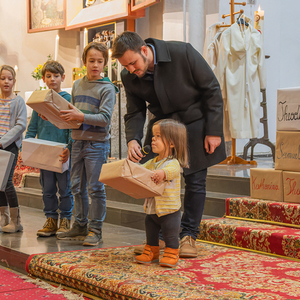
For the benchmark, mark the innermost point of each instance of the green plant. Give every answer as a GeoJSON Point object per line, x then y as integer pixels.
{"type": "Point", "coordinates": [113, 66]}
{"type": "Point", "coordinates": [37, 73]}
{"type": "Point", "coordinates": [80, 71]}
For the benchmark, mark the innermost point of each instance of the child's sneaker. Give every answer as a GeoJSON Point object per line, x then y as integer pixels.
{"type": "Point", "coordinates": [64, 225]}
{"type": "Point", "coordinates": [93, 238]}
{"type": "Point", "coordinates": [150, 255]}
{"type": "Point", "coordinates": [50, 228]}
{"type": "Point", "coordinates": [140, 248]}
{"type": "Point", "coordinates": [77, 233]}
{"type": "Point", "coordinates": [170, 258]}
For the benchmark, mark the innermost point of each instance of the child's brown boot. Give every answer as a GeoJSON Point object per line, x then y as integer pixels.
{"type": "Point", "coordinates": [170, 258]}
{"type": "Point", "coordinates": [150, 255]}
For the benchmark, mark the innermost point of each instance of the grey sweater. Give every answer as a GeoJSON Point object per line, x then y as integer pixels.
{"type": "Point", "coordinates": [18, 123]}
{"type": "Point", "coordinates": [96, 99]}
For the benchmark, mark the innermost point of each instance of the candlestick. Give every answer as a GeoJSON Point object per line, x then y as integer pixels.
{"type": "Point", "coordinates": [109, 65]}
{"type": "Point", "coordinates": [259, 21]}
{"type": "Point", "coordinates": [119, 69]}
{"type": "Point", "coordinates": [16, 70]}
{"type": "Point", "coordinates": [56, 47]}
{"type": "Point", "coordinates": [85, 37]}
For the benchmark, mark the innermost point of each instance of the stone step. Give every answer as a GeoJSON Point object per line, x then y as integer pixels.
{"type": "Point", "coordinates": [124, 213]}
{"type": "Point", "coordinates": [214, 183]}
{"type": "Point", "coordinates": [228, 184]}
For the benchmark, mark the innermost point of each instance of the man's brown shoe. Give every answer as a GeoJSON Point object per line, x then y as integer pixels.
{"type": "Point", "coordinates": [187, 247]}
{"type": "Point", "coordinates": [139, 249]}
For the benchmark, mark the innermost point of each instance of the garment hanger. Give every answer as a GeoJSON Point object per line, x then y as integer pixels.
{"type": "Point", "coordinates": [241, 20]}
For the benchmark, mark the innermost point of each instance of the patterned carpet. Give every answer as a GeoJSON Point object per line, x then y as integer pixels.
{"type": "Point", "coordinates": [279, 212]}
{"type": "Point", "coordinates": [218, 273]}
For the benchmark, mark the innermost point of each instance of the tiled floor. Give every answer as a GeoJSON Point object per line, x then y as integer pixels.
{"type": "Point", "coordinates": [33, 219]}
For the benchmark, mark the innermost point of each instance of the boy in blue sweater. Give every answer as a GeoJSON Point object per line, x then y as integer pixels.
{"type": "Point", "coordinates": [95, 97]}
{"type": "Point", "coordinates": [53, 76]}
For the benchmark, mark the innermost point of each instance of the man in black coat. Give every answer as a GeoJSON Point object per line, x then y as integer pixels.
{"type": "Point", "coordinates": [172, 80]}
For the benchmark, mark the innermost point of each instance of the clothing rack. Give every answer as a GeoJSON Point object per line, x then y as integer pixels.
{"type": "Point", "coordinates": [233, 159]}
{"type": "Point", "coordinates": [265, 139]}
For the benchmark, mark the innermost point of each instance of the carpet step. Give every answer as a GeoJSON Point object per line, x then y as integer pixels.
{"type": "Point", "coordinates": [275, 239]}
{"type": "Point", "coordinates": [218, 273]}
{"type": "Point", "coordinates": [271, 211]}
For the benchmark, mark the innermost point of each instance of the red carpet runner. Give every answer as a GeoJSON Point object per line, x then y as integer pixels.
{"type": "Point", "coordinates": [218, 273]}
{"type": "Point", "coordinates": [13, 287]}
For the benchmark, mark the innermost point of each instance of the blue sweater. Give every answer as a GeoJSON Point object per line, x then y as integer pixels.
{"type": "Point", "coordinates": [47, 131]}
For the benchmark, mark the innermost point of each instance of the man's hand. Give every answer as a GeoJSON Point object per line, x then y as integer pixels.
{"type": "Point", "coordinates": [134, 151]}
{"type": "Point", "coordinates": [72, 114]}
{"type": "Point", "coordinates": [211, 142]}
{"type": "Point", "coordinates": [65, 155]}
{"type": "Point", "coordinates": [158, 176]}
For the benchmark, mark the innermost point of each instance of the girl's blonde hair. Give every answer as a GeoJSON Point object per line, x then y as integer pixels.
{"type": "Point", "coordinates": [175, 132]}
{"type": "Point", "coordinates": [10, 69]}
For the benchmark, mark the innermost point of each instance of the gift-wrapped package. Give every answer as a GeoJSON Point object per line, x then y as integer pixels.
{"type": "Point", "coordinates": [287, 151]}
{"type": "Point", "coordinates": [291, 187]}
{"type": "Point", "coordinates": [6, 162]}
{"type": "Point", "coordinates": [49, 104]}
{"type": "Point", "coordinates": [288, 109]}
{"type": "Point", "coordinates": [131, 179]}
{"type": "Point", "coordinates": [44, 155]}
{"type": "Point", "coordinates": [266, 184]}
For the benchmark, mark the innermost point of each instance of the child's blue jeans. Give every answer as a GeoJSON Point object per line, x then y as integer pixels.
{"type": "Point", "coordinates": [87, 160]}
{"type": "Point", "coordinates": [52, 182]}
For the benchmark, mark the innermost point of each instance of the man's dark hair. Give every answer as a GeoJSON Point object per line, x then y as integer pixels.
{"type": "Point", "coordinates": [127, 41]}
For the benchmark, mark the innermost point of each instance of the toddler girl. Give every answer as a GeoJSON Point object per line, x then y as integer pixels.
{"type": "Point", "coordinates": [169, 141]}
{"type": "Point", "coordinates": [13, 121]}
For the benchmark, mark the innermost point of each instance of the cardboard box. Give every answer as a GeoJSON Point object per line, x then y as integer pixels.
{"type": "Point", "coordinates": [44, 155]}
{"type": "Point", "coordinates": [6, 162]}
{"type": "Point", "coordinates": [130, 178]}
{"type": "Point", "coordinates": [266, 184]}
{"type": "Point", "coordinates": [49, 104]}
{"type": "Point", "coordinates": [287, 151]}
{"type": "Point", "coordinates": [291, 187]}
{"type": "Point", "coordinates": [288, 109]}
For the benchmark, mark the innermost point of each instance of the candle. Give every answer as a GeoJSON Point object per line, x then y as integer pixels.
{"type": "Point", "coordinates": [119, 69]}
{"type": "Point", "coordinates": [259, 21]}
{"type": "Point", "coordinates": [109, 65]}
{"type": "Point", "coordinates": [16, 70]}
{"type": "Point", "coordinates": [85, 37]}
{"type": "Point", "coordinates": [56, 47]}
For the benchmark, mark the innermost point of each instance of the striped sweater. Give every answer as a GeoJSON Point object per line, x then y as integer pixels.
{"type": "Point", "coordinates": [169, 201]}
{"type": "Point", "coordinates": [96, 99]}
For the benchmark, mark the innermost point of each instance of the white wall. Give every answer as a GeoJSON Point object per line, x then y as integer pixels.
{"type": "Point", "coordinates": [27, 50]}
{"type": "Point", "coordinates": [281, 42]}
{"type": "Point", "coordinates": [163, 20]}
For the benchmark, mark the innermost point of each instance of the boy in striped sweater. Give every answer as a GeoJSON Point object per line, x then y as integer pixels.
{"type": "Point", "coordinates": [95, 97]}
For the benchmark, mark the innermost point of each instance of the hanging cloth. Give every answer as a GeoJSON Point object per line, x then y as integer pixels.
{"type": "Point", "coordinates": [241, 74]}
{"type": "Point", "coordinates": [211, 44]}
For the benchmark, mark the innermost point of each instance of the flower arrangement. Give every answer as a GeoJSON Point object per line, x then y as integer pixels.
{"type": "Point", "coordinates": [37, 73]}
{"type": "Point", "coordinates": [79, 72]}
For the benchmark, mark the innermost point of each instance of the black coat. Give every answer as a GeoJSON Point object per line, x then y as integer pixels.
{"type": "Point", "coordinates": [184, 88]}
